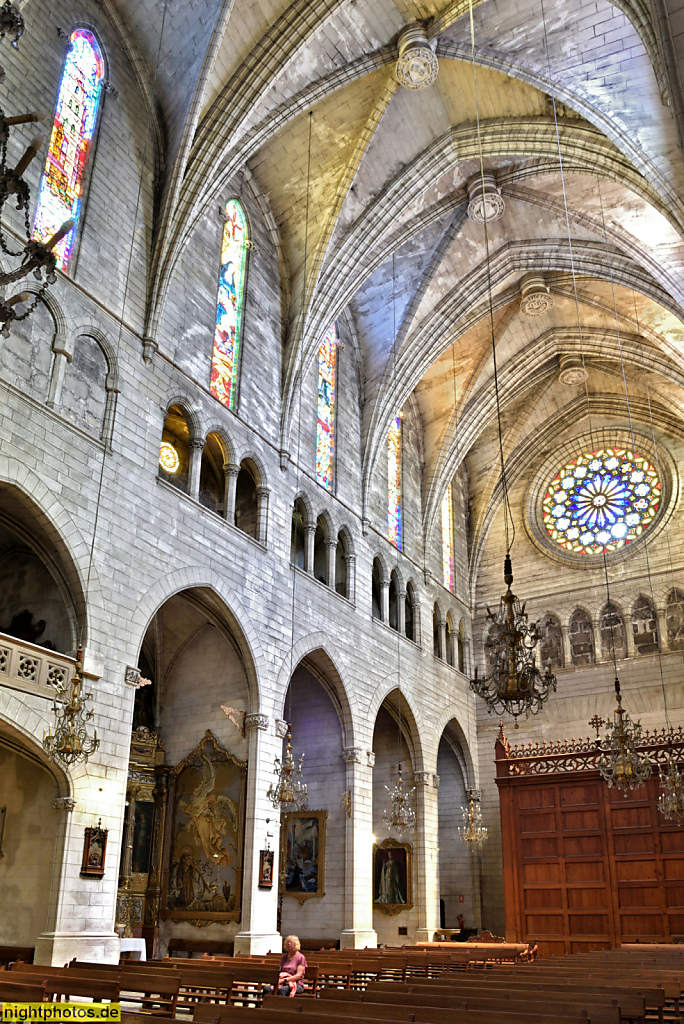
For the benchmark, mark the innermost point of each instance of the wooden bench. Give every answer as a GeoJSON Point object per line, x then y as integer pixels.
{"type": "Point", "coordinates": [212, 987]}
{"type": "Point", "coordinates": [15, 991]}
{"type": "Point", "coordinates": [191, 946]}
{"type": "Point", "coordinates": [157, 993]}
{"type": "Point", "coordinates": [8, 954]}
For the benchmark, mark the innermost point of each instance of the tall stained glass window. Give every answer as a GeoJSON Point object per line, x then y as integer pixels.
{"type": "Point", "coordinates": [63, 182]}
{"type": "Point", "coordinates": [231, 294]}
{"type": "Point", "coordinates": [326, 409]}
{"type": "Point", "coordinates": [448, 540]}
{"type": "Point", "coordinates": [601, 501]}
{"type": "Point", "coordinates": [394, 517]}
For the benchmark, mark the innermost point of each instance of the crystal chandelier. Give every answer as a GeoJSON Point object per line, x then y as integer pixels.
{"type": "Point", "coordinates": [402, 816]}
{"type": "Point", "coordinates": [671, 799]}
{"type": "Point", "coordinates": [288, 792]}
{"type": "Point", "coordinates": [70, 742]}
{"type": "Point", "coordinates": [621, 764]}
{"type": "Point", "coordinates": [473, 832]}
{"type": "Point", "coordinates": [515, 684]}
{"type": "Point", "coordinates": [35, 257]}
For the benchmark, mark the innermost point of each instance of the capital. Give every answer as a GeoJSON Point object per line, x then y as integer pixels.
{"type": "Point", "coordinates": [64, 803]}
{"type": "Point", "coordinates": [256, 721]}
{"type": "Point", "coordinates": [196, 444]}
{"type": "Point", "coordinates": [232, 469]}
{"type": "Point", "coordinates": [422, 778]}
{"type": "Point", "coordinates": [353, 755]}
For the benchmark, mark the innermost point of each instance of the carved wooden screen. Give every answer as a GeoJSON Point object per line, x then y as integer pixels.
{"type": "Point", "coordinates": [584, 866]}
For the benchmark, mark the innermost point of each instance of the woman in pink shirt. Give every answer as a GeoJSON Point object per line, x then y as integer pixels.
{"type": "Point", "coordinates": [292, 968]}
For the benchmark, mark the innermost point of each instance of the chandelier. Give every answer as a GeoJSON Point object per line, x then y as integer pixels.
{"type": "Point", "coordinates": [402, 816]}
{"type": "Point", "coordinates": [35, 257]}
{"type": "Point", "coordinates": [473, 832]}
{"type": "Point", "coordinates": [671, 799]}
{"type": "Point", "coordinates": [620, 764]}
{"type": "Point", "coordinates": [70, 742]}
{"type": "Point", "coordinates": [515, 685]}
{"type": "Point", "coordinates": [288, 792]}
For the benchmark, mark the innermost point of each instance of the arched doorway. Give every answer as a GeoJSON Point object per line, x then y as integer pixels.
{"type": "Point", "coordinates": [459, 885]}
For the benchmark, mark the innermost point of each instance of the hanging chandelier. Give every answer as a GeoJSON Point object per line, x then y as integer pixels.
{"type": "Point", "coordinates": [70, 742]}
{"type": "Point", "coordinates": [402, 816]}
{"type": "Point", "coordinates": [288, 792]}
{"type": "Point", "coordinates": [473, 832]}
{"type": "Point", "coordinates": [515, 685]}
{"type": "Point", "coordinates": [36, 258]}
{"type": "Point", "coordinates": [671, 799]}
{"type": "Point", "coordinates": [621, 765]}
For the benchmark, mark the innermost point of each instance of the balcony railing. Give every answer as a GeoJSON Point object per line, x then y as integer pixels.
{"type": "Point", "coordinates": [33, 669]}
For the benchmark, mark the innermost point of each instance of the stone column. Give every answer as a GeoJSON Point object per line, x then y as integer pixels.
{"type": "Point", "coordinates": [567, 653]}
{"type": "Point", "coordinates": [262, 493]}
{"type": "Point", "coordinates": [661, 617]}
{"type": "Point", "coordinates": [426, 867]}
{"type": "Point", "coordinates": [598, 650]}
{"type": "Point", "coordinates": [629, 637]}
{"type": "Point", "coordinates": [331, 549]}
{"type": "Point", "coordinates": [231, 474]}
{"type": "Point", "coordinates": [258, 930]}
{"type": "Point", "coordinates": [59, 365]}
{"type": "Point", "coordinates": [442, 640]}
{"type": "Point", "coordinates": [417, 633]}
{"type": "Point", "coordinates": [384, 600]}
{"type": "Point", "coordinates": [401, 612]}
{"type": "Point", "coordinates": [351, 576]}
{"type": "Point", "coordinates": [196, 449]}
{"type": "Point", "coordinates": [309, 534]}
{"type": "Point", "coordinates": [358, 851]}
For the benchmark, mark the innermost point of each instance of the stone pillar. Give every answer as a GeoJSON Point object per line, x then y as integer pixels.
{"type": "Point", "coordinates": [196, 449]}
{"type": "Point", "coordinates": [309, 534]}
{"type": "Point", "coordinates": [426, 869]}
{"type": "Point", "coordinates": [417, 633]}
{"type": "Point", "coordinates": [401, 612]}
{"type": "Point", "coordinates": [629, 637]}
{"type": "Point", "coordinates": [59, 365]}
{"type": "Point", "coordinates": [567, 653]}
{"type": "Point", "coordinates": [258, 930]}
{"type": "Point", "coordinates": [384, 600]}
{"type": "Point", "coordinates": [598, 649]}
{"type": "Point", "coordinates": [262, 493]}
{"type": "Point", "coordinates": [351, 576]}
{"type": "Point", "coordinates": [358, 851]}
{"type": "Point", "coordinates": [663, 641]}
{"type": "Point", "coordinates": [442, 640]}
{"type": "Point", "coordinates": [231, 474]}
{"type": "Point", "coordinates": [331, 549]}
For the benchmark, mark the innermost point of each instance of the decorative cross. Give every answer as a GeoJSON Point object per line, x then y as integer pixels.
{"type": "Point", "coordinates": [596, 723]}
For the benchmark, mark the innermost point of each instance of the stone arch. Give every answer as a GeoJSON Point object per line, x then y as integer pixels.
{"type": "Point", "coordinates": [225, 440]}
{"type": "Point", "coordinates": [644, 625]}
{"type": "Point", "coordinates": [306, 501]}
{"type": "Point", "coordinates": [20, 724]}
{"type": "Point", "coordinates": [581, 635]}
{"type": "Point", "coordinates": [613, 631]}
{"type": "Point", "coordinates": [323, 535]}
{"type": "Point", "coordinates": [258, 467]}
{"type": "Point", "coordinates": [410, 726]}
{"type": "Point", "coordinates": [190, 411]}
{"type": "Point", "coordinates": [317, 650]}
{"type": "Point", "coordinates": [674, 619]}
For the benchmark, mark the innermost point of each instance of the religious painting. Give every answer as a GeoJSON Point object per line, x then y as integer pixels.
{"type": "Point", "coordinates": [203, 877]}
{"type": "Point", "coordinates": [142, 836]}
{"type": "Point", "coordinates": [94, 851]}
{"type": "Point", "coordinates": [392, 877]}
{"type": "Point", "coordinates": [303, 853]}
{"type": "Point", "coordinates": [265, 869]}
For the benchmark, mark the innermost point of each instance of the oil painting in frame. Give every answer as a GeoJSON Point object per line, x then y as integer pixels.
{"type": "Point", "coordinates": [94, 851]}
{"type": "Point", "coordinates": [392, 877]}
{"type": "Point", "coordinates": [303, 854]}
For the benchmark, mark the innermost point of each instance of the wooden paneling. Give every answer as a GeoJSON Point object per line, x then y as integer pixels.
{"type": "Point", "coordinates": [586, 867]}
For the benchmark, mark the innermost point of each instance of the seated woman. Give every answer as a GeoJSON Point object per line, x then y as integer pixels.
{"type": "Point", "coordinates": [292, 968]}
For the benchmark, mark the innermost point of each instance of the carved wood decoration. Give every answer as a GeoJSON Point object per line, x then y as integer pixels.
{"type": "Point", "coordinates": [584, 866]}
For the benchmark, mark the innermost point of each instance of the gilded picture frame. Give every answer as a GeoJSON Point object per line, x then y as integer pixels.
{"type": "Point", "coordinates": [303, 854]}
{"type": "Point", "coordinates": [392, 877]}
{"type": "Point", "coordinates": [203, 862]}
{"type": "Point", "coordinates": [94, 851]}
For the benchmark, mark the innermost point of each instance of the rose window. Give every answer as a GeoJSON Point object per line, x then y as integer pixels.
{"type": "Point", "coordinates": [601, 501]}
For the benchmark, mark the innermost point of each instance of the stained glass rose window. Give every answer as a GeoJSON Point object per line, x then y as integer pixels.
{"type": "Point", "coordinates": [601, 501]}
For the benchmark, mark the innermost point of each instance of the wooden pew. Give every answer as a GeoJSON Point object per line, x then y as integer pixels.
{"type": "Point", "coordinates": [203, 986]}
{"type": "Point", "coordinates": [156, 992]}
{"type": "Point", "coordinates": [14, 991]}
{"type": "Point", "coordinates": [60, 982]}
{"type": "Point", "coordinates": [8, 954]}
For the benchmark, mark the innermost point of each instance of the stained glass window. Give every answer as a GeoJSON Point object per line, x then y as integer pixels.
{"type": "Point", "coordinates": [394, 518]}
{"type": "Point", "coordinates": [224, 364]}
{"type": "Point", "coordinates": [62, 185]}
{"type": "Point", "coordinates": [325, 423]}
{"type": "Point", "coordinates": [601, 501]}
{"type": "Point", "coordinates": [447, 541]}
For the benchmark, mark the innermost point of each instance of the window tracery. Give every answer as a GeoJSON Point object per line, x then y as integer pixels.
{"type": "Point", "coordinates": [326, 409]}
{"type": "Point", "coordinates": [229, 306]}
{"type": "Point", "coordinates": [60, 197]}
{"type": "Point", "coordinates": [581, 638]}
{"type": "Point", "coordinates": [644, 627]}
{"type": "Point", "coordinates": [612, 630]}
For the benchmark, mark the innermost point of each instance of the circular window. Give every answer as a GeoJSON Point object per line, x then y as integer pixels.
{"type": "Point", "coordinates": [168, 458]}
{"type": "Point", "coordinates": [601, 501]}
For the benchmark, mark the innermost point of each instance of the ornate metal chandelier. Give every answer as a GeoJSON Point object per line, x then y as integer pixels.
{"type": "Point", "coordinates": [473, 832]}
{"type": "Point", "coordinates": [70, 742]}
{"type": "Point", "coordinates": [288, 792]}
{"type": "Point", "coordinates": [515, 685]}
{"type": "Point", "coordinates": [402, 816]}
{"type": "Point", "coordinates": [671, 799]}
{"type": "Point", "coordinates": [35, 257]}
{"type": "Point", "coordinates": [621, 765]}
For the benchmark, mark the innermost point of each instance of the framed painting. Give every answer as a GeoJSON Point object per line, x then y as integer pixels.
{"type": "Point", "coordinates": [392, 877]}
{"type": "Point", "coordinates": [265, 869]}
{"type": "Point", "coordinates": [94, 851]}
{"type": "Point", "coordinates": [303, 853]}
{"type": "Point", "coordinates": [202, 880]}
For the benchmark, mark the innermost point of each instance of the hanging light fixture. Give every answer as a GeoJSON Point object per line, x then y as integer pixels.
{"type": "Point", "coordinates": [514, 685]}
{"type": "Point", "coordinates": [288, 793]}
{"type": "Point", "coordinates": [402, 816]}
{"type": "Point", "coordinates": [70, 742]}
{"type": "Point", "coordinates": [671, 799]}
{"type": "Point", "coordinates": [473, 832]}
{"type": "Point", "coordinates": [621, 764]}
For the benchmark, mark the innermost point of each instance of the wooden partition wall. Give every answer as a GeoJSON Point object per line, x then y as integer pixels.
{"type": "Point", "coordinates": [585, 867]}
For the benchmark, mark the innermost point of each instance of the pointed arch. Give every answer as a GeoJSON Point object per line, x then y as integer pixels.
{"type": "Point", "coordinates": [319, 655]}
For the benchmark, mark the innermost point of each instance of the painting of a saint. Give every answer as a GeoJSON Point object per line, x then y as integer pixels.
{"type": "Point", "coordinates": [392, 890]}
{"type": "Point", "coordinates": [304, 851]}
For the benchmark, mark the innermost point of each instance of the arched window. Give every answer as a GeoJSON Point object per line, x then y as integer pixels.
{"type": "Point", "coordinates": [376, 589]}
{"type": "Point", "coordinates": [298, 539]}
{"type": "Point", "coordinates": [174, 451]}
{"type": "Point", "coordinates": [581, 638]}
{"type": "Point", "coordinates": [612, 630]}
{"type": "Point", "coordinates": [448, 540]}
{"type": "Point", "coordinates": [246, 501]}
{"type": "Point", "coordinates": [674, 616]}
{"type": "Point", "coordinates": [394, 518]}
{"type": "Point", "coordinates": [326, 409]}
{"type": "Point", "coordinates": [62, 185]}
{"type": "Point", "coordinates": [321, 538]}
{"type": "Point", "coordinates": [435, 631]}
{"type": "Point", "coordinates": [341, 558]}
{"type": "Point", "coordinates": [212, 489]}
{"type": "Point", "coordinates": [409, 617]}
{"type": "Point", "coordinates": [229, 306]}
{"type": "Point", "coordinates": [551, 644]}
{"type": "Point", "coordinates": [449, 641]}
{"type": "Point", "coordinates": [645, 627]}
